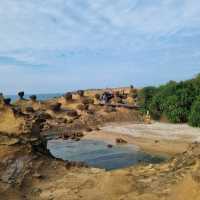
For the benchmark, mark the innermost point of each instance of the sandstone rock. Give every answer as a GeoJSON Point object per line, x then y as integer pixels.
{"type": "Point", "coordinates": [56, 107]}
{"type": "Point", "coordinates": [38, 176]}
{"type": "Point", "coordinates": [78, 164]}
{"type": "Point", "coordinates": [5, 140]}
{"type": "Point", "coordinates": [88, 129]}
{"type": "Point", "coordinates": [80, 93]}
{"type": "Point", "coordinates": [36, 190]}
{"type": "Point", "coordinates": [17, 111]}
{"type": "Point", "coordinates": [71, 113]}
{"type": "Point", "coordinates": [74, 135]}
{"type": "Point", "coordinates": [120, 141]}
{"type": "Point", "coordinates": [1, 98]}
{"type": "Point", "coordinates": [82, 107]}
{"type": "Point", "coordinates": [109, 109]}
{"type": "Point", "coordinates": [68, 96]}
{"type": "Point", "coordinates": [196, 176]}
{"type": "Point", "coordinates": [7, 101]}
{"type": "Point", "coordinates": [21, 94]}
{"type": "Point", "coordinates": [87, 101]}
{"type": "Point", "coordinates": [33, 98]}
{"type": "Point", "coordinates": [29, 109]}
{"type": "Point", "coordinates": [97, 96]}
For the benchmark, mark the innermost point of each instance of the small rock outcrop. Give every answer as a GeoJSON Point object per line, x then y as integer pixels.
{"type": "Point", "coordinates": [72, 134]}
{"type": "Point", "coordinates": [121, 141]}
{"type": "Point", "coordinates": [56, 107]}
{"type": "Point", "coordinates": [21, 95]}
{"type": "Point", "coordinates": [80, 93]}
{"type": "Point", "coordinates": [68, 96]}
{"type": "Point", "coordinates": [7, 101]}
{"type": "Point", "coordinates": [33, 98]}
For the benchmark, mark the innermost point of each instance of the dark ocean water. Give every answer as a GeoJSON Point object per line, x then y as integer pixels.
{"type": "Point", "coordinates": [39, 96]}
{"type": "Point", "coordinates": [97, 154]}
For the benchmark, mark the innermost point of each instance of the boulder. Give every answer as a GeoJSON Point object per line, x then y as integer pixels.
{"type": "Point", "coordinates": [82, 107]}
{"type": "Point", "coordinates": [42, 116]}
{"type": "Point", "coordinates": [18, 111]}
{"type": "Point", "coordinates": [97, 96]}
{"type": "Point", "coordinates": [29, 109]}
{"type": "Point", "coordinates": [56, 107]}
{"type": "Point", "coordinates": [33, 98]}
{"type": "Point", "coordinates": [109, 145]}
{"type": "Point", "coordinates": [21, 94]}
{"type": "Point", "coordinates": [68, 96]}
{"type": "Point", "coordinates": [80, 93]}
{"type": "Point", "coordinates": [121, 141]}
{"type": "Point", "coordinates": [87, 101]}
{"type": "Point", "coordinates": [1, 98]}
{"type": "Point", "coordinates": [70, 134]}
{"type": "Point", "coordinates": [71, 113]}
{"type": "Point", "coordinates": [7, 101]}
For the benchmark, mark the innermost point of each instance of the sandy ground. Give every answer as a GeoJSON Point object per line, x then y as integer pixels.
{"type": "Point", "coordinates": [159, 138]}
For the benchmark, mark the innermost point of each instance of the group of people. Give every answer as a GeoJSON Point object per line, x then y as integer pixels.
{"type": "Point", "coordinates": [106, 97]}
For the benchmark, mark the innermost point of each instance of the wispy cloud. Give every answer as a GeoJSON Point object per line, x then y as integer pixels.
{"type": "Point", "coordinates": [74, 35]}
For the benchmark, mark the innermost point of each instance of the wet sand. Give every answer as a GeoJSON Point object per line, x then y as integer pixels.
{"type": "Point", "coordinates": [156, 138]}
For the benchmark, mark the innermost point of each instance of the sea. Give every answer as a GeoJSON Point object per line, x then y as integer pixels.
{"type": "Point", "coordinates": [39, 96]}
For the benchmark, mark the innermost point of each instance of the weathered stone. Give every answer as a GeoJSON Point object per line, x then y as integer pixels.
{"type": "Point", "coordinates": [56, 107]}
{"type": "Point", "coordinates": [120, 141]}
{"type": "Point", "coordinates": [80, 93]}
{"type": "Point", "coordinates": [7, 101]}
{"type": "Point", "coordinates": [29, 109]}
{"type": "Point", "coordinates": [87, 101]}
{"type": "Point", "coordinates": [97, 96]}
{"type": "Point", "coordinates": [109, 109]}
{"type": "Point", "coordinates": [71, 113]}
{"type": "Point", "coordinates": [82, 107]}
{"type": "Point", "coordinates": [109, 145]}
{"type": "Point", "coordinates": [21, 94]}
{"type": "Point", "coordinates": [68, 96]}
{"type": "Point", "coordinates": [33, 98]}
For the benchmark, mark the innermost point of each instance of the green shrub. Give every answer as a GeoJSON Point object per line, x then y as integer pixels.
{"type": "Point", "coordinates": [155, 107]}
{"type": "Point", "coordinates": [174, 111]}
{"type": "Point", "coordinates": [194, 117]}
{"type": "Point", "coordinates": [174, 100]}
{"type": "Point", "coordinates": [145, 97]}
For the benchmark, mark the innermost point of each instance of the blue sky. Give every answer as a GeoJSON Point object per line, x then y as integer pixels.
{"type": "Point", "coordinates": [60, 45]}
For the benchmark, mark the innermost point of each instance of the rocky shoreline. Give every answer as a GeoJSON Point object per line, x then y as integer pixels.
{"type": "Point", "coordinates": [29, 171]}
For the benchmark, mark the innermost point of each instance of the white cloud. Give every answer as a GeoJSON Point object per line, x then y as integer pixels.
{"type": "Point", "coordinates": [52, 33]}
{"type": "Point", "coordinates": [66, 24]}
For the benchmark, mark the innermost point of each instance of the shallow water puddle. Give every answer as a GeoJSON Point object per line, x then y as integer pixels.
{"type": "Point", "coordinates": [98, 154]}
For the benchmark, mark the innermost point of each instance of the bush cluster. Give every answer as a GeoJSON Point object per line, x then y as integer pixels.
{"type": "Point", "coordinates": [179, 102]}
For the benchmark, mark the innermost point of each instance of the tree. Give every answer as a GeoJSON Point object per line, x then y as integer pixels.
{"type": "Point", "coordinates": [175, 100]}
{"type": "Point", "coordinates": [155, 107]}
{"type": "Point", "coordinates": [194, 117]}
{"type": "Point", "coordinates": [145, 97]}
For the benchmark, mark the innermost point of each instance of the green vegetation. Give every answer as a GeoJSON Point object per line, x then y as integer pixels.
{"type": "Point", "coordinates": [177, 101]}
{"type": "Point", "coordinates": [194, 117]}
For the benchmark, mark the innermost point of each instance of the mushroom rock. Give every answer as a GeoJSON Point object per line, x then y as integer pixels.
{"type": "Point", "coordinates": [21, 95]}
{"type": "Point", "coordinates": [33, 98]}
